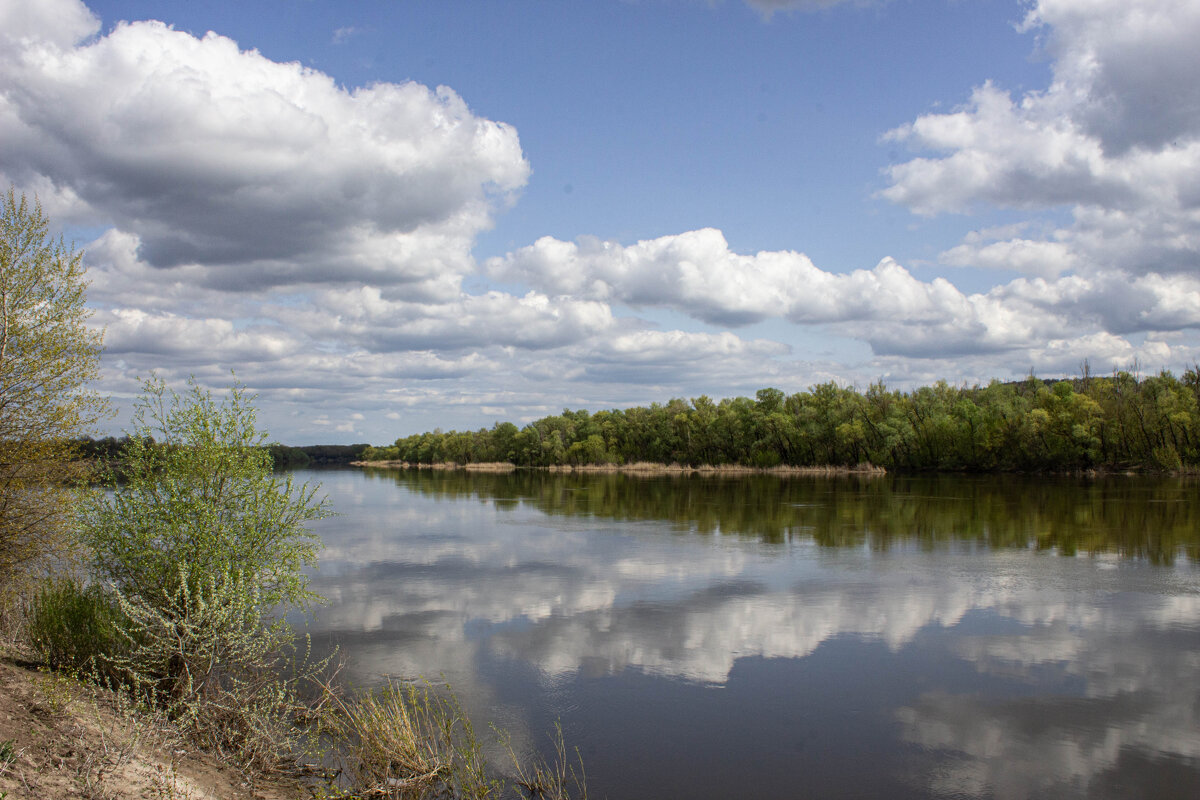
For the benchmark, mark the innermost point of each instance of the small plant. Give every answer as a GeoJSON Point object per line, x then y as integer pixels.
{"type": "Point", "coordinates": [555, 780]}
{"type": "Point", "coordinates": [165, 785]}
{"type": "Point", "coordinates": [8, 754]}
{"type": "Point", "coordinates": [58, 692]}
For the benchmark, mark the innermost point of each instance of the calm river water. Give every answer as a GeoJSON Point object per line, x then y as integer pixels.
{"type": "Point", "coordinates": [890, 637]}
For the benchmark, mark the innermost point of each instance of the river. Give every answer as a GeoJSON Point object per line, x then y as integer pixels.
{"type": "Point", "coordinates": [783, 637]}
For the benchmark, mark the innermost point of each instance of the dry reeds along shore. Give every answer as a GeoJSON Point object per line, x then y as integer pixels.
{"type": "Point", "coordinates": [637, 468]}
{"type": "Point", "coordinates": [483, 466]}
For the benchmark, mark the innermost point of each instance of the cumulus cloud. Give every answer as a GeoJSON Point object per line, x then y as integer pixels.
{"type": "Point", "coordinates": [255, 172]}
{"type": "Point", "coordinates": [1138, 62]}
{"type": "Point", "coordinates": [366, 318]}
{"type": "Point", "coordinates": [1115, 139]}
{"type": "Point", "coordinates": [697, 273]}
{"type": "Point", "coordinates": [129, 330]}
{"type": "Point", "coordinates": [889, 308]}
{"type": "Point", "coordinates": [992, 249]}
{"type": "Point", "coordinates": [655, 357]}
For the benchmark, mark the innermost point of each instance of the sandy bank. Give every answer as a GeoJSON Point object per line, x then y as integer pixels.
{"type": "Point", "coordinates": [60, 738]}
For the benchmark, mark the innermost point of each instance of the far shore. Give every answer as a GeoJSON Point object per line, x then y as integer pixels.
{"type": "Point", "coordinates": [639, 467]}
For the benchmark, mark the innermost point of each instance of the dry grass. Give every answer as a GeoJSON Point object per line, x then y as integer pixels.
{"type": "Point", "coordinates": [480, 466]}
{"type": "Point", "coordinates": [406, 741]}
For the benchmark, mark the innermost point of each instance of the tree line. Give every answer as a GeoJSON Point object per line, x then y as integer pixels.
{"type": "Point", "coordinates": [1120, 422]}
{"type": "Point", "coordinates": [110, 450]}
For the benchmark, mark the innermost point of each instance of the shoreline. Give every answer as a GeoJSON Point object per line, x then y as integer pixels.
{"type": "Point", "coordinates": [636, 468]}
{"type": "Point", "coordinates": [646, 468]}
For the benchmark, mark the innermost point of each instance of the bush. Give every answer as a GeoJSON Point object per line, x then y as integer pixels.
{"type": "Point", "coordinates": [196, 488]}
{"type": "Point", "coordinates": [203, 549]}
{"type": "Point", "coordinates": [75, 627]}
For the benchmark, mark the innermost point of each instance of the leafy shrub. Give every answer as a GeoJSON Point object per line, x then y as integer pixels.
{"type": "Point", "coordinates": [75, 627]}
{"type": "Point", "coordinates": [217, 659]}
{"type": "Point", "coordinates": [197, 488]}
{"type": "Point", "coordinates": [203, 548]}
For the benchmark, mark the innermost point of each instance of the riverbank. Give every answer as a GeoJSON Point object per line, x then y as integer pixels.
{"type": "Point", "coordinates": [639, 468]}
{"type": "Point", "coordinates": [62, 738]}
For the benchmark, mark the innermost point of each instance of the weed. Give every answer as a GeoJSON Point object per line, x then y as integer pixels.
{"type": "Point", "coordinates": [407, 741]}
{"type": "Point", "coordinates": [165, 785]}
{"type": "Point", "coordinates": [543, 780]}
{"type": "Point", "coordinates": [58, 692]}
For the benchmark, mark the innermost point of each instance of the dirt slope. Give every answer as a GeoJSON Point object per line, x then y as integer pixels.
{"type": "Point", "coordinates": [63, 739]}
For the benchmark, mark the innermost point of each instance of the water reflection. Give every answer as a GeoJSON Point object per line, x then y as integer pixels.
{"type": "Point", "coordinates": [928, 627]}
{"type": "Point", "coordinates": [1154, 518]}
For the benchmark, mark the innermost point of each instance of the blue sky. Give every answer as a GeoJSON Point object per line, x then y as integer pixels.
{"type": "Point", "coordinates": [610, 203]}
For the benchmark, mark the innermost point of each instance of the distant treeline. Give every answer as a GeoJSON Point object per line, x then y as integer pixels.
{"type": "Point", "coordinates": [316, 455]}
{"type": "Point", "coordinates": [1116, 422]}
{"type": "Point", "coordinates": [109, 448]}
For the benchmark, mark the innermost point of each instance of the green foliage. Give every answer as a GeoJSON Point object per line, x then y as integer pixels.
{"type": "Point", "coordinates": [47, 355]}
{"type": "Point", "coordinates": [215, 657]}
{"type": "Point", "coordinates": [203, 549]}
{"type": "Point", "coordinates": [1119, 422]}
{"type": "Point", "coordinates": [75, 627]}
{"type": "Point", "coordinates": [285, 457]}
{"type": "Point", "coordinates": [197, 489]}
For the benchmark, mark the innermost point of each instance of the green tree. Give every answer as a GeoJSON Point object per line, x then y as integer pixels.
{"type": "Point", "coordinates": [197, 489]}
{"type": "Point", "coordinates": [47, 357]}
{"type": "Point", "coordinates": [202, 549]}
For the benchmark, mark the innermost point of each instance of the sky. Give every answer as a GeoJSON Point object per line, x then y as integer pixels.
{"type": "Point", "coordinates": [388, 216]}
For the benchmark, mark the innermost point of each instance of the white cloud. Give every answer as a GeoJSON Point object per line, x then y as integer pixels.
{"type": "Point", "coordinates": [244, 171]}
{"type": "Point", "coordinates": [667, 357]}
{"type": "Point", "coordinates": [896, 313]}
{"type": "Point", "coordinates": [1115, 139]}
{"type": "Point", "coordinates": [130, 330]}
{"type": "Point", "coordinates": [1137, 61]}
{"type": "Point", "coordinates": [1046, 259]}
{"type": "Point", "coordinates": [47, 23]}
{"type": "Point", "coordinates": [343, 35]}
{"type": "Point", "coordinates": [365, 318]}
{"type": "Point", "coordinates": [696, 272]}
